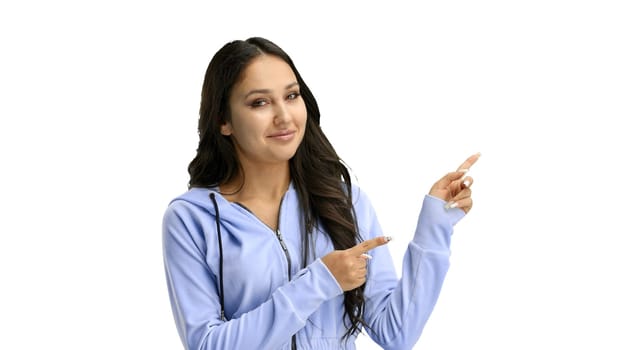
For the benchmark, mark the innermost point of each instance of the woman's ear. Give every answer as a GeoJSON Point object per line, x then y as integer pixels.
{"type": "Point", "coordinates": [225, 129]}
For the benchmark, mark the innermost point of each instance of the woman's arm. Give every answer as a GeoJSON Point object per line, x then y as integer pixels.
{"type": "Point", "coordinates": [397, 310]}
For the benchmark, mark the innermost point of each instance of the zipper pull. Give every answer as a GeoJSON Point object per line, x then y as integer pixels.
{"type": "Point", "coordinates": [280, 237]}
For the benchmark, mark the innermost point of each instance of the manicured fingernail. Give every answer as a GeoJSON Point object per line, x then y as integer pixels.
{"type": "Point", "coordinates": [450, 205]}
{"type": "Point", "coordinates": [467, 183]}
{"type": "Point", "coordinates": [387, 238]}
{"type": "Point", "coordinates": [366, 256]}
{"type": "Point", "coordinates": [453, 205]}
{"type": "Point", "coordinates": [463, 170]}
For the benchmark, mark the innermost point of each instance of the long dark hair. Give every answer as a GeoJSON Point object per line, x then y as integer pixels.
{"type": "Point", "coordinates": [321, 179]}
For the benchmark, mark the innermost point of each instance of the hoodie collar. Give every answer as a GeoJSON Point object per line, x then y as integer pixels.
{"type": "Point", "coordinates": [200, 196]}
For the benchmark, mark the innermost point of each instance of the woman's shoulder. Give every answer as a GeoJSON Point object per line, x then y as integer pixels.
{"type": "Point", "coordinates": [192, 200]}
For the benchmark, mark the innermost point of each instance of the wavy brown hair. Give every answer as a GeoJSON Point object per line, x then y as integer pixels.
{"type": "Point", "coordinates": [319, 176]}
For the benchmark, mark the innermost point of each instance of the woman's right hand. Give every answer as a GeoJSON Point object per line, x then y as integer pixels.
{"type": "Point", "coordinates": [349, 266]}
{"type": "Point", "coordinates": [454, 188]}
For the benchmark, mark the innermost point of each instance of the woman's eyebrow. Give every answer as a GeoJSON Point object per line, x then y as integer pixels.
{"type": "Point", "coordinates": [267, 91]}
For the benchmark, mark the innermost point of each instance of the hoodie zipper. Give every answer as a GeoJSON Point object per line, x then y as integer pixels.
{"type": "Point", "coordinates": [289, 266]}
{"type": "Point", "coordinates": [289, 262]}
{"type": "Point", "coordinates": [279, 236]}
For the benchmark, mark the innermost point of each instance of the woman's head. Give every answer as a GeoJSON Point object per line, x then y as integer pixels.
{"type": "Point", "coordinates": [267, 115]}
{"type": "Point", "coordinates": [218, 154]}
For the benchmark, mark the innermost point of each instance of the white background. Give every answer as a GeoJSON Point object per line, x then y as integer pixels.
{"type": "Point", "coordinates": [99, 105]}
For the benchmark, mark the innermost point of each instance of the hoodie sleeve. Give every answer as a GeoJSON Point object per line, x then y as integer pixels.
{"type": "Point", "coordinates": [398, 309]}
{"type": "Point", "coordinates": [193, 292]}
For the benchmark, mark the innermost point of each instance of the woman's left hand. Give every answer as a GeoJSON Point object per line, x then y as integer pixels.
{"type": "Point", "coordinates": [454, 188]}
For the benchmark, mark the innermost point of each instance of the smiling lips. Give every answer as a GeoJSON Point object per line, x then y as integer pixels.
{"type": "Point", "coordinates": [284, 135]}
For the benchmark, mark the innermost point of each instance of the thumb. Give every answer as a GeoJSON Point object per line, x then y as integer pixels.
{"type": "Point", "coordinates": [449, 178]}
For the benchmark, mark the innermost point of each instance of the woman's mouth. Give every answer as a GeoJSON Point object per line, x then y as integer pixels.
{"type": "Point", "coordinates": [284, 135]}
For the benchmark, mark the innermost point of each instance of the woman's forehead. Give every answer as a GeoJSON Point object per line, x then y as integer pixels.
{"type": "Point", "coordinates": [266, 72]}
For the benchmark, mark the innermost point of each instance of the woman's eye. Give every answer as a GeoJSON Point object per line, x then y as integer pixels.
{"type": "Point", "coordinates": [293, 96]}
{"type": "Point", "coordinates": [259, 103]}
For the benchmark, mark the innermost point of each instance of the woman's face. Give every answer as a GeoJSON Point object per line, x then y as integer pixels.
{"type": "Point", "coordinates": [268, 115]}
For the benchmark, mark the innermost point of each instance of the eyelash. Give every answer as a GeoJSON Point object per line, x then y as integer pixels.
{"type": "Point", "coordinates": [262, 102]}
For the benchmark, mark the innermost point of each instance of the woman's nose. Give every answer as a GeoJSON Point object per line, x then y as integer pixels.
{"type": "Point", "coordinates": [282, 113]}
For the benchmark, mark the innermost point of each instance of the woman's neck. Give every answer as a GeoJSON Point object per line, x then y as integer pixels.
{"type": "Point", "coordinates": [265, 183]}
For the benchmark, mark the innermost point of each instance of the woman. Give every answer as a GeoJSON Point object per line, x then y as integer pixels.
{"type": "Point", "coordinates": [272, 247]}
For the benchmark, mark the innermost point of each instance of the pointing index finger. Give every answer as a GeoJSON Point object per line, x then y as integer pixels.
{"type": "Point", "coordinates": [469, 162]}
{"type": "Point", "coordinates": [369, 244]}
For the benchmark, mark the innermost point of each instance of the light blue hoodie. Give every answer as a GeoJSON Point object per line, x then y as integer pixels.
{"type": "Point", "coordinates": [270, 300]}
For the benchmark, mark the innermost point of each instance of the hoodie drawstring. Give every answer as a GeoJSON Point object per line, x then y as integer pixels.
{"type": "Point", "coordinates": [222, 292]}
